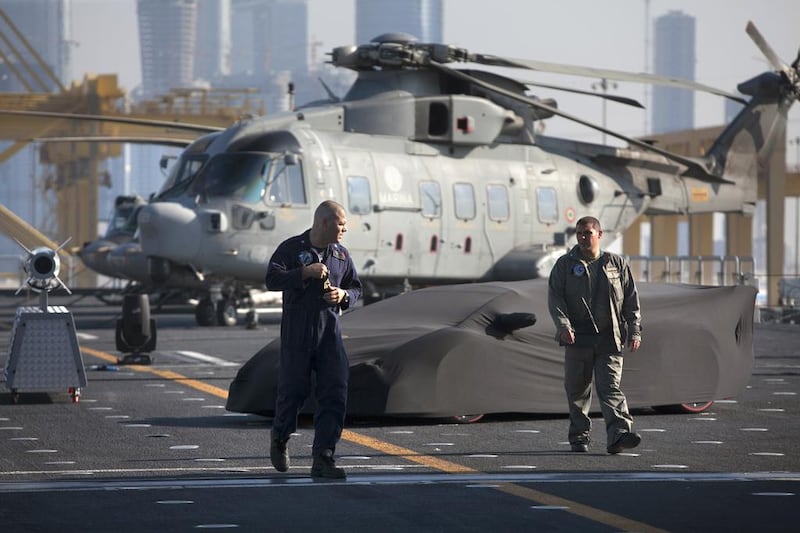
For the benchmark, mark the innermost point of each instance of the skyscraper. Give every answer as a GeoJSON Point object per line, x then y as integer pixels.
{"type": "Point", "coordinates": [674, 56]}
{"type": "Point", "coordinates": [213, 39]}
{"type": "Point", "coordinates": [167, 39]}
{"type": "Point", "coordinates": [420, 18]}
{"type": "Point", "coordinates": [271, 36]}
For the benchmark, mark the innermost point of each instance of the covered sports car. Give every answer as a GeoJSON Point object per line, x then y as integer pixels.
{"type": "Point", "coordinates": [475, 349]}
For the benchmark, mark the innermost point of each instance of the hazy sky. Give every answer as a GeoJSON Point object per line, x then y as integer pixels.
{"type": "Point", "coordinates": [603, 34]}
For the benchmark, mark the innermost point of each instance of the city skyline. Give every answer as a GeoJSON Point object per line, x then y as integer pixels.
{"type": "Point", "coordinates": [549, 32]}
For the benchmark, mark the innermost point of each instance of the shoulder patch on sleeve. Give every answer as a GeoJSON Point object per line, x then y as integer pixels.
{"type": "Point", "coordinates": [339, 252]}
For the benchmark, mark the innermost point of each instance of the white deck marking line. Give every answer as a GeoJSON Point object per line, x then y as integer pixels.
{"type": "Point", "coordinates": [205, 358]}
{"type": "Point", "coordinates": [410, 478]}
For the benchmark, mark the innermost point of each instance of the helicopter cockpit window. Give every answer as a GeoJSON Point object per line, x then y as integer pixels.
{"type": "Point", "coordinates": [123, 220]}
{"type": "Point", "coordinates": [358, 195]}
{"type": "Point", "coordinates": [587, 189]}
{"type": "Point", "coordinates": [238, 176]}
{"type": "Point", "coordinates": [181, 174]}
{"type": "Point", "coordinates": [547, 205]}
{"type": "Point", "coordinates": [286, 184]}
{"type": "Point", "coordinates": [430, 195]}
{"type": "Point", "coordinates": [464, 196]}
{"type": "Point", "coordinates": [497, 199]}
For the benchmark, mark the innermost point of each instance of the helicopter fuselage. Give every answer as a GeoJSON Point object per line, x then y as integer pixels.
{"type": "Point", "coordinates": [441, 202]}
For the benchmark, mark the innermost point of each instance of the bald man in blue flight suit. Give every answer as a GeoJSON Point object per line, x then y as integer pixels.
{"type": "Point", "coordinates": [319, 280]}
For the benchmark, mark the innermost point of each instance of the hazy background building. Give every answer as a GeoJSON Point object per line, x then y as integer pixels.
{"type": "Point", "coordinates": [673, 56]}
{"type": "Point", "coordinates": [167, 41]}
{"type": "Point", "coordinates": [213, 52]}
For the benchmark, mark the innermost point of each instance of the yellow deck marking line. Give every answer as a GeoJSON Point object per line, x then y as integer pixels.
{"type": "Point", "coordinates": [405, 453]}
{"type": "Point", "coordinates": [621, 523]}
{"type": "Point", "coordinates": [166, 374]}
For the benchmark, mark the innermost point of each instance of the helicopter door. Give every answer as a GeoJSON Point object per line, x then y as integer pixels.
{"type": "Point", "coordinates": [362, 222]}
{"type": "Point", "coordinates": [497, 221]}
{"type": "Point", "coordinates": [464, 235]}
{"type": "Point", "coordinates": [400, 250]}
{"type": "Point", "coordinates": [618, 213]}
{"type": "Point", "coordinates": [428, 238]}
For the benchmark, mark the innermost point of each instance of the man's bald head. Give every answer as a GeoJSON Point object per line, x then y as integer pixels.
{"type": "Point", "coordinates": [329, 224]}
{"type": "Point", "coordinates": [327, 210]}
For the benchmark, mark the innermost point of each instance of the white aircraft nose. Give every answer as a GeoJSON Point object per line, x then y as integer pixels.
{"type": "Point", "coordinates": [169, 230]}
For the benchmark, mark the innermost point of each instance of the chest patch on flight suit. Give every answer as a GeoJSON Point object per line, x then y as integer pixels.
{"type": "Point", "coordinates": [305, 257]}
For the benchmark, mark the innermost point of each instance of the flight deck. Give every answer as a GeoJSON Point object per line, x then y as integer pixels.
{"type": "Point", "coordinates": [153, 447]}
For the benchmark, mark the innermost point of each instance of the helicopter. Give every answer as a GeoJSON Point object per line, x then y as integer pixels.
{"type": "Point", "coordinates": [442, 173]}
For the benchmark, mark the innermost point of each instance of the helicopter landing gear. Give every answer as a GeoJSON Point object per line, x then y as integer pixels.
{"type": "Point", "coordinates": [205, 313]}
{"type": "Point", "coordinates": [221, 311]}
{"type": "Point", "coordinates": [136, 332]}
{"type": "Point", "coordinates": [226, 312]}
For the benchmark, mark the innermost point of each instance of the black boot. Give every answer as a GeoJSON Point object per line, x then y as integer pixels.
{"type": "Point", "coordinates": [324, 466]}
{"type": "Point", "coordinates": [279, 455]}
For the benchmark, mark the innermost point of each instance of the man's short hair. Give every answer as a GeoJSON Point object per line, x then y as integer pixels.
{"type": "Point", "coordinates": [589, 221]}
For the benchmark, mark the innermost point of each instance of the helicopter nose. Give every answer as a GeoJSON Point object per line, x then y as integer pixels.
{"type": "Point", "coordinates": [169, 230]}
{"type": "Point", "coordinates": [95, 256]}
{"type": "Point", "coordinates": [128, 261]}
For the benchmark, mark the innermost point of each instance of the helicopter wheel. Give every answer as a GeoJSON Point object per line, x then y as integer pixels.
{"type": "Point", "coordinates": [226, 312]}
{"type": "Point", "coordinates": [204, 313]}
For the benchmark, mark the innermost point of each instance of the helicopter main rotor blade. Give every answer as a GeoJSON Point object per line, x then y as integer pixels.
{"type": "Point", "coordinates": [613, 97]}
{"type": "Point", "coordinates": [592, 72]}
{"type": "Point", "coordinates": [696, 168]}
{"type": "Point", "coordinates": [120, 120]}
{"type": "Point", "coordinates": [161, 141]}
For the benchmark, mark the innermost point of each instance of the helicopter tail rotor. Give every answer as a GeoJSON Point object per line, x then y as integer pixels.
{"type": "Point", "coordinates": [791, 73]}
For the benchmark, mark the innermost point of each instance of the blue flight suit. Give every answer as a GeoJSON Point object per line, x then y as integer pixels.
{"type": "Point", "coordinates": [311, 338]}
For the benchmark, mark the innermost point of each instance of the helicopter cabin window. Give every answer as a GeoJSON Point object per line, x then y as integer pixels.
{"type": "Point", "coordinates": [464, 196]}
{"type": "Point", "coordinates": [587, 189]}
{"type": "Point", "coordinates": [358, 195]}
{"type": "Point", "coordinates": [430, 195]}
{"type": "Point", "coordinates": [547, 205]}
{"type": "Point", "coordinates": [497, 199]}
{"type": "Point", "coordinates": [286, 185]}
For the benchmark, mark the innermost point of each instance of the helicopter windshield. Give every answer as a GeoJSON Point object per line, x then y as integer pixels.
{"type": "Point", "coordinates": [123, 219]}
{"type": "Point", "coordinates": [181, 174]}
{"type": "Point", "coordinates": [252, 177]}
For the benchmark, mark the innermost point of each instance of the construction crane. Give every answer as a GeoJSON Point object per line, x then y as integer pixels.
{"type": "Point", "coordinates": [83, 145]}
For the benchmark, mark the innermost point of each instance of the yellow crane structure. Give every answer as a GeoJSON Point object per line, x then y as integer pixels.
{"type": "Point", "coordinates": [75, 148]}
